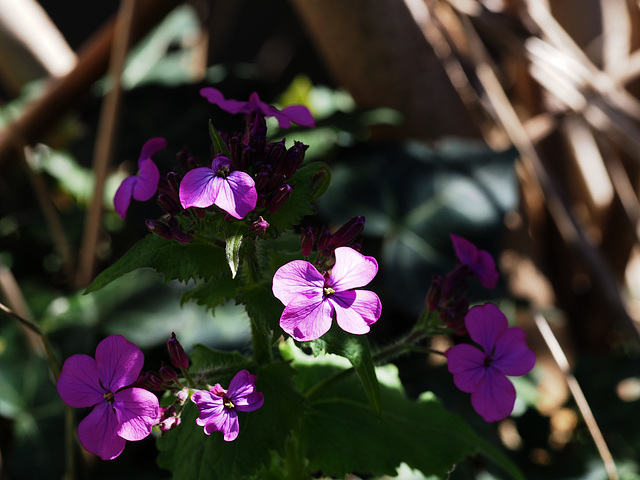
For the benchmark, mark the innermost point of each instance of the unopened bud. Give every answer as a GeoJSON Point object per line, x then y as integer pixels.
{"type": "Point", "coordinates": [160, 228]}
{"type": "Point", "coordinates": [168, 204]}
{"type": "Point", "coordinates": [168, 373]}
{"type": "Point", "coordinates": [295, 157]}
{"type": "Point", "coordinates": [280, 197]}
{"type": "Point", "coordinates": [154, 381]}
{"type": "Point", "coordinates": [433, 295]}
{"type": "Point", "coordinates": [347, 233]}
{"type": "Point", "coordinates": [307, 239]}
{"type": "Point", "coordinates": [323, 238]}
{"type": "Point", "coordinates": [259, 226]}
{"type": "Point", "coordinates": [177, 354]}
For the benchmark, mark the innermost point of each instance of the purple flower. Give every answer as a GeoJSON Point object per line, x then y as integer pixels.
{"type": "Point", "coordinates": [234, 192]}
{"type": "Point", "coordinates": [311, 298]}
{"type": "Point", "coordinates": [120, 413]}
{"type": "Point", "coordinates": [218, 407]}
{"type": "Point", "coordinates": [144, 185]}
{"type": "Point", "coordinates": [294, 113]}
{"type": "Point", "coordinates": [482, 373]}
{"type": "Point", "coordinates": [478, 261]}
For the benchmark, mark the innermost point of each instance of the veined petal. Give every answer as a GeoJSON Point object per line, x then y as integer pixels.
{"type": "Point", "coordinates": [242, 392]}
{"type": "Point", "coordinates": [352, 269]}
{"type": "Point", "coordinates": [97, 433]}
{"type": "Point", "coordinates": [119, 362]}
{"type": "Point", "coordinates": [78, 384]}
{"type": "Point", "coordinates": [356, 310]}
{"type": "Point", "coordinates": [305, 319]}
{"type": "Point", "coordinates": [147, 183]}
{"type": "Point", "coordinates": [512, 356]}
{"type": "Point", "coordinates": [297, 278]}
{"type": "Point", "coordinates": [227, 423]}
{"type": "Point", "coordinates": [122, 198]}
{"type": "Point", "coordinates": [495, 397]}
{"type": "Point", "coordinates": [150, 148]}
{"type": "Point", "coordinates": [199, 188]}
{"type": "Point", "coordinates": [466, 363]}
{"type": "Point", "coordinates": [237, 195]}
{"type": "Point", "coordinates": [299, 114]}
{"type": "Point", "coordinates": [485, 323]}
{"type": "Point", "coordinates": [209, 405]}
{"type": "Point", "coordinates": [137, 411]}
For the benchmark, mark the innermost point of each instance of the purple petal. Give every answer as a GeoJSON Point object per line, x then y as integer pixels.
{"type": "Point", "coordinates": [78, 384]}
{"type": "Point", "coordinates": [220, 162]}
{"type": "Point", "coordinates": [297, 278]}
{"type": "Point", "coordinates": [98, 433]}
{"type": "Point", "coordinates": [283, 120]}
{"type": "Point", "coordinates": [147, 183]}
{"type": "Point", "coordinates": [199, 188]}
{"type": "Point", "coordinates": [137, 411]}
{"type": "Point", "coordinates": [466, 251]}
{"type": "Point", "coordinates": [306, 319]}
{"type": "Point", "coordinates": [512, 356]}
{"type": "Point", "coordinates": [210, 406]}
{"type": "Point", "coordinates": [485, 270]}
{"type": "Point", "coordinates": [227, 423]}
{"type": "Point", "coordinates": [351, 270]}
{"type": "Point", "coordinates": [299, 114]}
{"type": "Point", "coordinates": [243, 394]}
{"type": "Point", "coordinates": [119, 362]}
{"type": "Point", "coordinates": [495, 397]}
{"type": "Point", "coordinates": [123, 195]}
{"type": "Point", "coordinates": [150, 148]}
{"type": "Point", "coordinates": [466, 363]}
{"type": "Point", "coordinates": [214, 96]}
{"type": "Point", "coordinates": [485, 324]}
{"type": "Point", "coordinates": [356, 310]}
{"type": "Point", "coordinates": [237, 195]}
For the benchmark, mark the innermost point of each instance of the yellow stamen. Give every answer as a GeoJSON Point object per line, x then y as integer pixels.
{"type": "Point", "coordinates": [328, 290]}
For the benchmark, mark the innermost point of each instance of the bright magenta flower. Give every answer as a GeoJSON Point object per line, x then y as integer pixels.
{"type": "Point", "coordinates": [143, 185]}
{"type": "Point", "coordinates": [218, 407]}
{"type": "Point", "coordinates": [121, 412]}
{"type": "Point", "coordinates": [311, 298]}
{"type": "Point", "coordinates": [483, 372]}
{"type": "Point", "coordinates": [480, 262]}
{"type": "Point", "coordinates": [232, 191]}
{"type": "Point", "coordinates": [294, 113]}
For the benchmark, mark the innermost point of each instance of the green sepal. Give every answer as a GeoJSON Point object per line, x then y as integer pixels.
{"type": "Point", "coordinates": [218, 145]}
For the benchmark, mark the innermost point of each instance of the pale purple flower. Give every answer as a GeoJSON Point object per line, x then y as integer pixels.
{"type": "Point", "coordinates": [293, 113]}
{"type": "Point", "coordinates": [311, 298]}
{"type": "Point", "coordinates": [483, 372]}
{"type": "Point", "coordinates": [218, 407]}
{"type": "Point", "coordinates": [121, 412]}
{"type": "Point", "coordinates": [480, 262]}
{"type": "Point", "coordinates": [143, 185]}
{"type": "Point", "coordinates": [232, 191]}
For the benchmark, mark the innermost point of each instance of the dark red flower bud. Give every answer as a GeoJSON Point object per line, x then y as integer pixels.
{"type": "Point", "coordinates": [263, 178]}
{"type": "Point", "coordinates": [262, 200]}
{"type": "Point", "coordinates": [280, 197]}
{"type": "Point", "coordinates": [154, 381]}
{"type": "Point", "coordinates": [295, 157]}
{"type": "Point", "coordinates": [433, 295]}
{"type": "Point", "coordinates": [160, 228]}
{"type": "Point", "coordinates": [323, 238]}
{"type": "Point", "coordinates": [277, 156]}
{"type": "Point", "coordinates": [168, 204]}
{"type": "Point", "coordinates": [259, 226]}
{"type": "Point", "coordinates": [347, 232]}
{"type": "Point", "coordinates": [307, 239]}
{"type": "Point", "coordinates": [177, 354]}
{"type": "Point", "coordinates": [258, 136]}
{"type": "Point", "coordinates": [247, 158]}
{"type": "Point", "coordinates": [168, 373]}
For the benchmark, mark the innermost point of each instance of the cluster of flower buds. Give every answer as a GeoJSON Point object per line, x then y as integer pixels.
{"type": "Point", "coordinates": [447, 294]}
{"type": "Point", "coordinates": [326, 242]}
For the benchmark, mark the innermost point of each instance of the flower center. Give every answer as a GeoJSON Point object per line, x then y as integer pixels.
{"type": "Point", "coordinates": [328, 291]}
{"type": "Point", "coordinates": [108, 397]}
{"type": "Point", "coordinates": [488, 361]}
{"type": "Point", "coordinates": [223, 171]}
{"type": "Point", "coordinates": [228, 403]}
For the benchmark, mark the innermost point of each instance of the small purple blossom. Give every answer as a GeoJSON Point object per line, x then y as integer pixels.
{"type": "Point", "coordinates": [483, 372]}
{"type": "Point", "coordinates": [480, 262]}
{"type": "Point", "coordinates": [311, 298]}
{"type": "Point", "coordinates": [143, 185]}
{"type": "Point", "coordinates": [294, 113]}
{"type": "Point", "coordinates": [232, 191]}
{"type": "Point", "coordinates": [121, 412]}
{"type": "Point", "coordinates": [218, 407]}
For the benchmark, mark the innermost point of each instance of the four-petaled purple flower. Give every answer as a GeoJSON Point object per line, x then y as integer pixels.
{"type": "Point", "coordinates": [232, 191]}
{"type": "Point", "coordinates": [120, 413]}
{"type": "Point", "coordinates": [218, 407]}
{"type": "Point", "coordinates": [482, 373]}
{"type": "Point", "coordinates": [143, 185]}
{"type": "Point", "coordinates": [480, 262]}
{"type": "Point", "coordinates": [311, 298]}
{"type": "Point", "coordinates": [293, 113]}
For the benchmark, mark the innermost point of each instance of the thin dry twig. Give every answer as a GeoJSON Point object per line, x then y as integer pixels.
{"type": "Point", "coordinates": [105, 141]}
{"type": "Point", "coordinates": [578, 395]}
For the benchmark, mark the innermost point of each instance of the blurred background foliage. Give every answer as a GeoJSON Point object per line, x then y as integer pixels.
{"type": "Point", "coordinates": [511, 123]}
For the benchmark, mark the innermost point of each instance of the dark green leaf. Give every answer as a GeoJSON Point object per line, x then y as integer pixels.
{"type": "Point", "coordinates": [173, 260]}
{"type": "Point", "coordinates": [213, 292]}
{"type": "Point", "coordinates": [232, 252]}
{"type": "Point", "coordinates": [218, 144]}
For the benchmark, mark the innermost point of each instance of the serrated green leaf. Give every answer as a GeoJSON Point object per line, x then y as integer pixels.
{"type": "Point", "coordinates": [212, 293]}
{"type": "Point", "coordinates": [232, 252]}
{"type": "Point", "coordinates": [218, 144]}
{"type": "Point", "coordinates": [172, 259]}
{"type": "Point", "coordinates": [262, 306]}
{"type": "Point", "coordinates": [204, 359]}
{"type": "Point", "coordinates": [309, 183]}
{"type": "Point", "coordinates": [190, 454]}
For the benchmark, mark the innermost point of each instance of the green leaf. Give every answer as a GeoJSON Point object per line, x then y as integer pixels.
{"type": "Point", "coordinates": [262, 307]}
{"type": "Point", "coordinates": [172, 259]}
{"type": "Point", "coordinates": [218, 144]}
{"type": "Point", "coordinates": [309, 183]}
{"type": "Point", "coordinates": [212, 293]}
{"type": "Point", "coordinates": [190, 454]}
{"type": "Point", "coordinates": [232, 252]}
{"type": "Point", "coordinates": [204, 359]}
